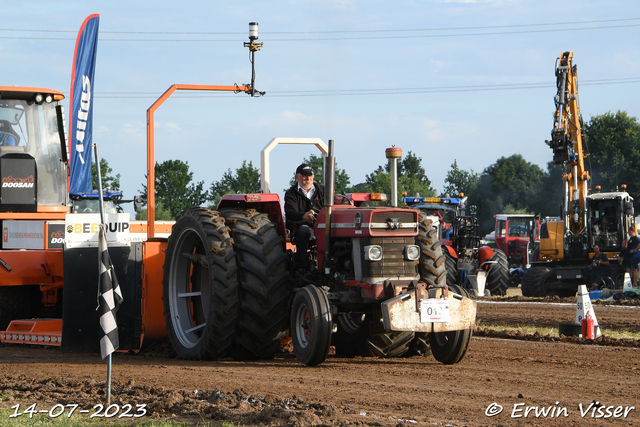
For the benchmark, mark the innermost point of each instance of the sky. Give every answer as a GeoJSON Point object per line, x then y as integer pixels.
{"type": "Point", "coordinates": [468, 81]}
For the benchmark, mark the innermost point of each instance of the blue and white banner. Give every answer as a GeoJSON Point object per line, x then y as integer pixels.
{"type": "Point", "coordinates": [81, 129]}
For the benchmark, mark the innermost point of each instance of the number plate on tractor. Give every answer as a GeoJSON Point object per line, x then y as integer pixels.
{"type": "Point", "coordinates": [434, 310]}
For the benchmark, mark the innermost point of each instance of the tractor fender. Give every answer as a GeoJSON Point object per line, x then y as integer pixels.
{"type": "Point", "coordinates": [268, 203]}
{"type": "Point", "coordinates": [485, 253]}
{"type": "Point", "coordinates": [451, 251]}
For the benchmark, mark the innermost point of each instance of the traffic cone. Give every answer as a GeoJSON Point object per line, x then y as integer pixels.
{"type": "Point", "coordinates": [584, 309]}
{"type": "Point", "coordinates": [627, 282]}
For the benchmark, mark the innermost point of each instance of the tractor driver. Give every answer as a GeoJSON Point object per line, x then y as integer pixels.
{"type": "Point", "coordinates": [302, 202]}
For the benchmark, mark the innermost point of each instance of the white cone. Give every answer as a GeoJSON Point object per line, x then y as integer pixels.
{"type": "Point", "coordinates": [627, 282]}
{"type": "Point", "coordinates": [584, 309]}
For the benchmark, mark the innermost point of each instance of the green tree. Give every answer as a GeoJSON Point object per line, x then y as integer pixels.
{"type": "Point", "coordinates": [161, 214]}
{"type": "Point", "coordinates": [174, 189]}
{"type": "Point", "coordinates": [511, 183]}
{"type": "Point", "coordinates": [245, 180]}
{"type": "Point", "coordinates": [341, 179]}
{"type": "Point", "coordinates": [613, 142]}
{"type": "Point", "coordinates": [107, 179]}
{"type": "Point", "coordinates": [460, 181]}
{"type": "Point", "coordinates": [412, 178]}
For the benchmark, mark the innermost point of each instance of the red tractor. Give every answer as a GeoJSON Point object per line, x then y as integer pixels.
{"type": "Point", "coordinates": [378, 283]}
{"type": "Point", "coordinates": [518, 236]}
{"type": "Point", "coordinates": [480, 269]}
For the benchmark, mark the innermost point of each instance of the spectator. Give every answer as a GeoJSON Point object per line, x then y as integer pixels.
{"type": "Point", "coordinates": [634, 255]}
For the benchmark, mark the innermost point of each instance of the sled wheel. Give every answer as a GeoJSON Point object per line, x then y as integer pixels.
{"type": "Point", "coordinates": [200, 290]}
{"type": "Point", "coordinates": [263, 279]}
{"type": "Point", "coordinates": [311, 325]}
{"type": "Point", "coordinates": [450, 347]}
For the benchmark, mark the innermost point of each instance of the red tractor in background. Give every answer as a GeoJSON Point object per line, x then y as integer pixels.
{"type": "Point", "coordinates": [518, 236]}
{"type": "Point", "coordinates": [480, 269]}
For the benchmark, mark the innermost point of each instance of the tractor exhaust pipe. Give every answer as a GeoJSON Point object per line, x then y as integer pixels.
{"type": "Point", "coordinates": [393, 154]}
{"type": "Point", "coordinates": [329, 168]}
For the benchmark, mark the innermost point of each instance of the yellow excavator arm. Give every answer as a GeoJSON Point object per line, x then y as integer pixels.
{"type": "Point", "coordinates": [566, 143]}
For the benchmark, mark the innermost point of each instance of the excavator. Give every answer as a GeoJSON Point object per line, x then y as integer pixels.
{"type": "Point", "coordinates": [586, 220]}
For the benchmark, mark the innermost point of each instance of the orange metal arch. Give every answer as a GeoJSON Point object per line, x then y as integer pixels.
{"type": "Point", "coordinates": [151, 211]}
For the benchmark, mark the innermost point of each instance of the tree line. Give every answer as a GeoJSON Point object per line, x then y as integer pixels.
{"type": "Point", "coordinates": [510, 185]}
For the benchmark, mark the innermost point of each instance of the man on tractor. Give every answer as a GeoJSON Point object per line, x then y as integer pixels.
{"type": "Point", "coordinates": [302, 202]}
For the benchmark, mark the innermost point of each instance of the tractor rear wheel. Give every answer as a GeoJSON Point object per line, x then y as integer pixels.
{"type": "Point", "coordinates": [200, 290]}
{"type": "Point", "coordinates": [353, 338]}
{"type": "Point", "coordinates": [534, 280]}
{"type": "Point", "coordinates": [451, 266]}
{"type": "Point", "coordinates": [437, 268]}
{"type": "Point", "coordinates": [419, 346]}
{"type": "Point", "coordinates": [389, 344]}
{"type": "Point", "coordinates": [432, 261]}
{"type": "Point", "coordinates": [450, 347]}
{"type": "Point", "coordinates": [263, 278]}
{"type": "Point", "coordinates": [498, 274]}
{"type": "Point", "coordinates": [349, 335]}
{"type": "Point", "coordinates": [311, 325]}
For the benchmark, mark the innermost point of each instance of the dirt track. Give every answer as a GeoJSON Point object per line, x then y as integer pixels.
{"type": "Point", "coordinates": [541, 372]}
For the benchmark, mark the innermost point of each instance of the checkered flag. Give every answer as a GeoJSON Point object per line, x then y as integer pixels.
{"type": "Point", "coordinates": [109, 297]}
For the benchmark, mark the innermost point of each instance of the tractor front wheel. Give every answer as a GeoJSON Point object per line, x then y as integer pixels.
{"type": "Point", "coordinates": [311, 325]}
{"type": "Point", "coordinates": [450, 347]}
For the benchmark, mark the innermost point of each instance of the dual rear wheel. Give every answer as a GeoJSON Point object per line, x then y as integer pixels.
{"type": "Point", "coordinates": [225, 285]}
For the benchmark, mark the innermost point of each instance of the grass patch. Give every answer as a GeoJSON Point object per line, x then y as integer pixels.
{"type": "Point", "coordinates": [530, 330]}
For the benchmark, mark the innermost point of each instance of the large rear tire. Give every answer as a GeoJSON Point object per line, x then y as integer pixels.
{"type": "Point", "coordinates": [311, 325]}
{"type": "Point", "coordinates": [263, 277]}
{"type": "Point", "coordinates": [451, 267]}
{"type": "Point", "coordinates": [353, 338]}
{"type": "Point", "coordinates": [451, 347]}
{"type": "Point", "coordinates": [390, 344]}
{"type": "Point", "coordinates": [349, 335]}
{"type": "Point", "coordinates": [534, 281]}
{"type": "Point", "coordinates": [498, 274]}
{"type": "Point", "coordinates": [200, 289]}
{"type": "Point", "coordinates": [419, 346]}
{"type": "Point", "coordinates": [432, 261]}
{"type": "Point", "coordinates": [436, 268]}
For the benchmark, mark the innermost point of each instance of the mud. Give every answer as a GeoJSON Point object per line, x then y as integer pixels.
{"type": "Point", "coordinates": [512, 370]}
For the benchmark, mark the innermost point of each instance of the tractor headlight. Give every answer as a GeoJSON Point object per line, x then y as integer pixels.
{"type": "Point", "coordinates": [373, 253]}
{"type": "Point", "coordinates": [412, 252]}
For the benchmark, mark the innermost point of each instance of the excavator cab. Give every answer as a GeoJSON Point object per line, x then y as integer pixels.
{"type": "Point", "coordinates": [33, 160]}
{"type": "Point", "coordinates": [609, 220]}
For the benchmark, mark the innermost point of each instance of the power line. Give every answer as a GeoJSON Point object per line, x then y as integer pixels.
{"type": "Point", "coordinates": [375, 91]}
{"type": "Point", "coordinates": [549, 30]}
{"type": "Point", "coordinates": [330, 31]}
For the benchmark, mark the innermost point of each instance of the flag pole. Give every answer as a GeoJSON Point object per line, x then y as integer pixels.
{"type": "Point", "coordinates": [102, 223]}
